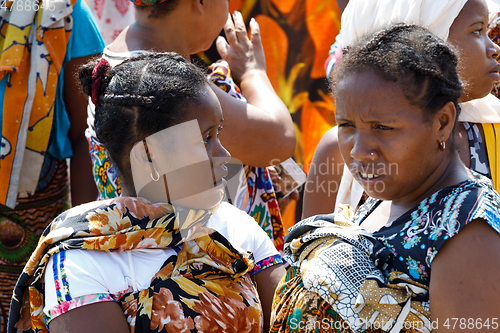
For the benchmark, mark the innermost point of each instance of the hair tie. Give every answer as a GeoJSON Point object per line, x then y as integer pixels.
{"type": "Point", "coordinates": [97, 75]}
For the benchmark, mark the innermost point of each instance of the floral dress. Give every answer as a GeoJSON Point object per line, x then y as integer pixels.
{"type": "Point", "coordinates": [414, 239]}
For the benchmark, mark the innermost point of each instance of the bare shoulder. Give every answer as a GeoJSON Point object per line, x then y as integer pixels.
{"type": "Point", "coordinates": [324, 176]}
{"type": "Point", "coordinates": [464, 278]}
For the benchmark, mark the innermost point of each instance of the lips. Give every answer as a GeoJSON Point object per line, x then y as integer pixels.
{"type": "Point", "coordinates": [494, 73]}
{"type": "Point", "coordinates": [219, 176]}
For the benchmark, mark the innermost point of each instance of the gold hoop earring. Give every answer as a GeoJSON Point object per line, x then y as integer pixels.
{"type": "Point", "coordinates": [442, 145]}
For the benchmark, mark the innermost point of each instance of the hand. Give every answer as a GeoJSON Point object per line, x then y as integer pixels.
{"type": "Point", "coordinates": [277, 180]}
{"type": "Point", "coordinates": [241, 53]}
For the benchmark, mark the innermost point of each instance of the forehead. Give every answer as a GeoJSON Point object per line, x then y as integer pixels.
{"type": "Point", "coordinates": [369, 96]}
{"type": "Point", "coordinates": [473, 11]}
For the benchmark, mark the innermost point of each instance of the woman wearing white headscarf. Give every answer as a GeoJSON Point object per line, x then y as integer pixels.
{"type": "Point", "coordinates": [480, 119]}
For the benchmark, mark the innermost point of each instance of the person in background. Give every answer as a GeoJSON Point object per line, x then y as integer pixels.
{"type": "Point", "coordinates": [258, 127]}
{"type": "Point", "coordinates": [454, 21]}
{"type": "Point", "coordinates": [166, 256]}
{"type": "Point", "coordinates": [42, 123]}
{"type": "Point", "coordinates": [424, 247]}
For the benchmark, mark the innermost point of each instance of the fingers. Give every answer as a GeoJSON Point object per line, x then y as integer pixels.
{"type": "Point", "coordinates": [235, 30]}
{"type": "Point", "coordinates": [222, 46]}
{"type": "Point", "coordinates": [229, 30]}
{"type": "Point", "coordinates": [240, 29]}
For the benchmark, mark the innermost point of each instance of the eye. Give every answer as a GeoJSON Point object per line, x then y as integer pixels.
{"type": "Point", "coordinates": [478, 31]}
{"type": "Point", "coordinates": [219, 129]}
{"type": "Point", "coordinates": [344, 125]}
{"type": "Point", "coordinates": [383, 127]}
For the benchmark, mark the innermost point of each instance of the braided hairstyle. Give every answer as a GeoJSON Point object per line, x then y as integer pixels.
{"type": "Point", "coordinates": [424, 65]}
{"type": "Point", "coordinates": [139, 97]}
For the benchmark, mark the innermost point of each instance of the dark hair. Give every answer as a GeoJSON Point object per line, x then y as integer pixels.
{"type": "Point", "coordinates": [424, 65]}
{"type": "Point", "coordinates": [139, 97]}
{"type": "Point", "coordinates": [159, 10]}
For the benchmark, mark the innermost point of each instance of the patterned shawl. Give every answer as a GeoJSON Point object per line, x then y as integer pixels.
{"type": "Point", "coordinates": [343, 263]}
{"type": "Point", "coordinates": [207, 271]}
{"type": "Point", "coordinates": [32, 50]}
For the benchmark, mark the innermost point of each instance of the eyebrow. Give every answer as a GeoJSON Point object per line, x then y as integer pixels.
{"type": "Point", "coordinates": [210, 128]}
{"type": "Point", "coordinates": [477, 22]}
{"type": "Point", "coordinates": [370, 122]}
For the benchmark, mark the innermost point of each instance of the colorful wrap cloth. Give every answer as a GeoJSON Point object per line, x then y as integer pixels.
{"type": "Point", "coordinates": [207, 272]}
{"type": "Point", "coordinates": [342, 263]}
{"type": "Point", "coordinates": [33, 46]}
{"type": "Point", "coordinates": [255, 194]}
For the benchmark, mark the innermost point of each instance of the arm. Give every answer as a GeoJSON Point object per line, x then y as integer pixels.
{"type": "Point", "coordinates": [266, 281]}
{"type": "Point", "coordinates": [105, 317]}
{"type": "Point", "coordinates": [83, 187]}
{"type": "Point", "coordinates": [464, 280]}
{"type": "Point", "coordinates": [260, 132]}
{"type": "Point", "coordinates": [323, 179]}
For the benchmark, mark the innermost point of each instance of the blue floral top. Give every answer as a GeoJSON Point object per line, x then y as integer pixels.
{"type": "Point", "coordinates": [416, 236]}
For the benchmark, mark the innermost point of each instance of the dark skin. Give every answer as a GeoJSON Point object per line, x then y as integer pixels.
{"type": "Point", "coordinates": [82, 181]}
{"type": "Point", "coordinates": [464, 280]}
{"type": "Point", "coordinates": [108, 316]}
{"type": "Point", "coordinates": [477, 54]}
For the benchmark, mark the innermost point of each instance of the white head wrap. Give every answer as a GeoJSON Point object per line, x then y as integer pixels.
{"type": "Point", "coordinates": [362, 17]}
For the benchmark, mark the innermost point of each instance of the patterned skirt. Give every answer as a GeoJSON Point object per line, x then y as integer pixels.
{"type": "Point", "coordinates": [21, 227]}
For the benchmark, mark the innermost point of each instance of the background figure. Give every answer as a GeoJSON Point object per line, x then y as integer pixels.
{"type": "Point", "coordinates": [250, 124]}
{"type": "Point", "coordinates": [296, 35]}
{"type": "Point", "coordinates": [42, 124]}
{"type": "Point", "coordinates": [112, 16]}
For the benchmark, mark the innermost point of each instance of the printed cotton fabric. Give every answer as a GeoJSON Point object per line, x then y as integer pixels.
{"type": "Point", "coordinates": [206, 271]}
{"type": "Point", "coordinates": [341, 263]}
{"type": "Point", "coordinates": [31, 88]}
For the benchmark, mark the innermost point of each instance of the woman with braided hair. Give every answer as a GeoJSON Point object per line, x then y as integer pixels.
{"type": "Point", "coordinates": [259, 129]}
{"type": "Point", "coordinates": [168, 255]}
{"type": "Point", "coordinates": [463, 23]}
{"type": "Point", "coordinates": [423, 249]}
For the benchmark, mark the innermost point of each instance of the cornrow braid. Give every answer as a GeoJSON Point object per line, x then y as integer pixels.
{"type": "Point", "coordinates": [129, 100]}
{"type": "Point", "coordinates": [424, 65]}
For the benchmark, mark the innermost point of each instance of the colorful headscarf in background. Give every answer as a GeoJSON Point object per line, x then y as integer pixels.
{"type": "Point", "coordinates": [207, 267]}
{"type": "Point", "coordinates": [33, 43]}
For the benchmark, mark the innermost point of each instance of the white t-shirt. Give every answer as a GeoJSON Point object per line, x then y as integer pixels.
{"type": "Point", "coordinates": [75, 278]}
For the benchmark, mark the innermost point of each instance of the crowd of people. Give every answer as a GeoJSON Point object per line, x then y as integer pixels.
{"type": "Point", "coordinates": [169, 220]}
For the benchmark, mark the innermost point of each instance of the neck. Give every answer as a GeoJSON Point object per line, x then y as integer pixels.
{"type": "Point", "coordinates": [164, 34]}
{"type": "Point", "coordinates": [450, 171]}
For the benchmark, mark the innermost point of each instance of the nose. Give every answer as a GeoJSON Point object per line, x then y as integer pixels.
{"type": "Point", "coordinates": [493, 50]}
{"type": "Point", "coordinates": [362, 149]}
{"type": "Point", "coordinates": [221, 155]}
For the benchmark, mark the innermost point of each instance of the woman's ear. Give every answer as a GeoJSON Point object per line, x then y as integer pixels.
{"type": "Point", "coordinates": [199, 6]}
{"type": "Point", "coordinates": [445, 120]}
{"type": "Point", "coordinates": [139, 157]}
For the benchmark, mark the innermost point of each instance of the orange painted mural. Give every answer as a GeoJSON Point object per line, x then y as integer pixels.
{"type": "Point", "coordinates": [297, 35]}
